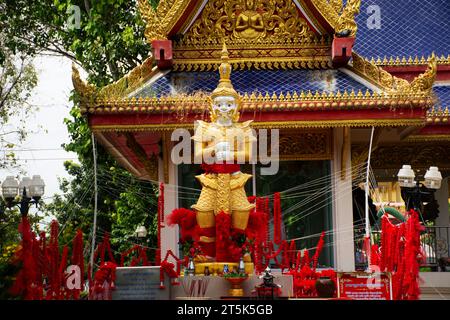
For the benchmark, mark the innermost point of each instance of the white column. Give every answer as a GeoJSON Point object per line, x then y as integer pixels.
{"type": "Point", "coordinates": [344, 257]}
{"type": "Point", "coordinates": [442, 196]}
{"type": "Point", "coordinates": [169, 235]}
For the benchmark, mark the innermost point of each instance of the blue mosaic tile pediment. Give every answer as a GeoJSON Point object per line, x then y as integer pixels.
{"type": "Point", "coordinates": [253, 81]}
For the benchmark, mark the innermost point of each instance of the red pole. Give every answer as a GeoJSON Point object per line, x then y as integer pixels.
{"type": "Point", "coordinates": [160, 219]}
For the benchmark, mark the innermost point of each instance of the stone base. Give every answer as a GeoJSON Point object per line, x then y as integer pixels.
{"type": "Point", "coordinates": [218, 287]}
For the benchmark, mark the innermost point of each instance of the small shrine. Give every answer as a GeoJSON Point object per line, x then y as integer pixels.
{"type": "Point", "coordinates": [267, 126]}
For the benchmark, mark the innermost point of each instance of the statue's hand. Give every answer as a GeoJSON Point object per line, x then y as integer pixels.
{"type": "Point", "coordinates": [223, 156]}
{"type": "Point", "coordinates": [222, 146]}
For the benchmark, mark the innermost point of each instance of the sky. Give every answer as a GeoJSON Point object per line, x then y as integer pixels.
{"type": "Point", "coordinates": [41, 153]}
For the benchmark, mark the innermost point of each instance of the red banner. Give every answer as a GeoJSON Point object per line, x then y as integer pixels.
{"type": "Point", "coordinates": [364, 286]}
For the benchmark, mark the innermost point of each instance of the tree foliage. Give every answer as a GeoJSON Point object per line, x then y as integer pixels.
{"type": "Point", "coordinates": [108, 42]}
{"type": "Point", "coordinates": [17, 80]}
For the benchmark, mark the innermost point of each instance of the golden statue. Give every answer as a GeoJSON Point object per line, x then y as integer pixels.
{"type": "Point", "coordinates": [249, 23]}
{"type": "Point", "coordinates": [222, 144]}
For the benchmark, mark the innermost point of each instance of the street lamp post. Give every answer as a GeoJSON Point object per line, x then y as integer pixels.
{"type": "Point", "coordinates": [141, 233]}
{"type": "Point", "coordinates": [414, 192]}
{"type": "Point", "coordinates": [31, 191]}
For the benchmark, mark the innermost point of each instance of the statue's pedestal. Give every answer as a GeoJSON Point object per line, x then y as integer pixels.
{"type": "Point", "coordinates": [216, 268]}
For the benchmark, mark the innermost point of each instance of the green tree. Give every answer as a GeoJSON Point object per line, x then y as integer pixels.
{"type": "Point", "coordinates": [17, 80]}
{"type": "Point", "coordinates": [108, 42]}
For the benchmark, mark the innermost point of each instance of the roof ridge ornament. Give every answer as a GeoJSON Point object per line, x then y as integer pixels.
{"type": "Point", "coordinates": [341, 18]}
{"type": "Point", "coordinates": [154, 29]}
{"type": "Point", "coordinates": [85, 90]}
{"type": "Point", "coordinates": [424, 82]}
{"type": "Point", "coordinates": [420, 86]}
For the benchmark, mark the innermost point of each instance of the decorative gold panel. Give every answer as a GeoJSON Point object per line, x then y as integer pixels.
{"type": "Point", "coordinates": [420, 155]}
{"type": "Point", "coordinates": [248, 21]}
{"type": "Point", "coordinates": [305, 145]}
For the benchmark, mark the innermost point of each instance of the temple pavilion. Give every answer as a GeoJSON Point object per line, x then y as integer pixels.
{"type": "Point", "coordinates": [323, 72]}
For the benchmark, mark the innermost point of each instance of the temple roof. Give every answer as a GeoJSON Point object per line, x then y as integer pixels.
{"type": "Point", "coordinates": [253, 81]}
{"type": "Point", "coordinates": [273, 69]}
{"type": "Point", "coordinates": [442, 93]}
{"type": "Point", "coordinates": [407, 29]}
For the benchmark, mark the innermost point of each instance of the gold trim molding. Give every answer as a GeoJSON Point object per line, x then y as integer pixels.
{"type": "Point", "coordinates": [285, 63]}
{"type": "Point", "coordinates": [429, 138]}
{"type": "Point", "coordinates": [410, 61]}
{"type": "Point", "coordinates": [319, 124]}
{"type": "Point", "coordinates": [185, 104]}
{"type": "Point", "coordinates": [438, 116]}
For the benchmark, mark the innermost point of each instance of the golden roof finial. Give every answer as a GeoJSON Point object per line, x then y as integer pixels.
{"type": "Point", "coordinates": [225, 87]}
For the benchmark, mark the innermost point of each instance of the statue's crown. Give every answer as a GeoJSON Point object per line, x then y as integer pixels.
{"type": "Point", "coordinates": [225, 87]}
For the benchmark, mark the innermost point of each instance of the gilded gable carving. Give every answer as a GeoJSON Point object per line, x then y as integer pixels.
{"type": "Point", "coordinates": [245, 21]}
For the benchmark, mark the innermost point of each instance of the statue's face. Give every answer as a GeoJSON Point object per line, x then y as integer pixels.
{"type": "Point", "coordinates": [224, 105]}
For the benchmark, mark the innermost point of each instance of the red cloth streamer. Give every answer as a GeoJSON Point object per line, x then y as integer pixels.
{"type": "Point", "coordinates": [78, 260]}
{"type": "Point", "coordinates": [104, 280]}
{"type": "Point", "coordinates": [305, 277]}
{"type": "Point", "coordinates": [223, 234]}
{"type": "Point", "coordinates": [186, 220]}
{"type": "Point", "coordinates": [166, 268]}
{"type": "Point", "coordinates": [318, 250]}
{"type": "Point", "coordinates": [267, 213]}
{"type": "Point", "coordinates": [276, 218]}
{"type": "Point", "coordinates": [400, 254]}
{"type": "Point", "coordinates": [25, 283]}
{"type": "Point", "coordinates": [257, 226]}
{"type": "Point", "coordinates": [374, 255]}
{"type": "Point", "coordinates": [160, 219]}
{"type": "Point", "coordinates": [141, 257]}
